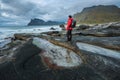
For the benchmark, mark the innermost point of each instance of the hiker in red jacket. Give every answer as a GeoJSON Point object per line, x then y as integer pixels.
{"type": "Point", "coordinates": [69, 28]}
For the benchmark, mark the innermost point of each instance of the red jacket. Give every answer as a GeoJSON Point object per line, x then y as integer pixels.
{"type": "Point", "coordinates": [69, 24]}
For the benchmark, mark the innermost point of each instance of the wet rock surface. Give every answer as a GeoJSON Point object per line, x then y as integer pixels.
{"type": "Point", "coordinates": [38, 56]}
{"type": "Point", "coordinates": [27, 64]}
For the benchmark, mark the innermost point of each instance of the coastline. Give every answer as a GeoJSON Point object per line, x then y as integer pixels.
{"type": "Point", "coordinates": [89, 53]}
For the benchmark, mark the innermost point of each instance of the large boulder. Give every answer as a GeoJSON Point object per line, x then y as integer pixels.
{"type": "Point", "coordinates": [20, 37]}
{"type": "Point", "coordinates": [83, 27]}
{"type": "Point", "coordinates": [62, 26]}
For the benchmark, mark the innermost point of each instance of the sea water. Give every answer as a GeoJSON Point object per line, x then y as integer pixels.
{"type": "Point", "coordinates": [8, 31]}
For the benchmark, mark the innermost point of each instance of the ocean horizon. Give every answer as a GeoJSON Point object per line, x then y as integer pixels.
{"type": "Point", "coordinates": [8, 31]}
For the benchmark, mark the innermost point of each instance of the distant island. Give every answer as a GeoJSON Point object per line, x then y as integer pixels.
{"type": "Point", "coordinates": [98, 14]}
{"type": "Point", "coordinates": [36, 22]}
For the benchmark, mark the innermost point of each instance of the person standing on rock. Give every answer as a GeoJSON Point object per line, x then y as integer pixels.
{"type": "Point", "coordinates": [69, 28]}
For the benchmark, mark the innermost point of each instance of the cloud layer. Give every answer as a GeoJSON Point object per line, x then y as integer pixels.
{"type": "Point", "coordinates": [21, 11]}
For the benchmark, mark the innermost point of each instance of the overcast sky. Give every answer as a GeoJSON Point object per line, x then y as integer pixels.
{"type": "Point", "coordinates": [21, 11]}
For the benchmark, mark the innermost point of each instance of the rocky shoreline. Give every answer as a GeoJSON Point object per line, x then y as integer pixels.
{"type": "Point", "coordinates": [93, 54]}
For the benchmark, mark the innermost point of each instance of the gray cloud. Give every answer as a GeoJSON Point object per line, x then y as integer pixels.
{"type": "Point", "coordinates": [18, 8]}
{"type": "Point", "coordinates": [21, 11]}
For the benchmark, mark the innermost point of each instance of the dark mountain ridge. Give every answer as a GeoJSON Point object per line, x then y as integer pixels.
{"type": "Point", "coordinates": [36, 21]}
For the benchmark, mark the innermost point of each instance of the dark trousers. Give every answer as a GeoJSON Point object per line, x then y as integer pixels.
{"type": "Point", "coordinates": [69, 35]}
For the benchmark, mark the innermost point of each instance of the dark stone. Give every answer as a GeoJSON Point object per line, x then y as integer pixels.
{"type": "Point", "coordinates": [62, 26]}
{"type": "Point", "coordinates": [52, 33]}
{"type": "Point", "coordinates": [13, 70]}
{"type": "Point", "coordinates": [8, 72]}
{"type": "Point", "coordinates": [52, 28]}
{"type": "Point", "coordinates": [105, 66]}
{"type": "Point", "coordinates": [83, 27]}
{"type": "Point", "coordinates": [19, 37]}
